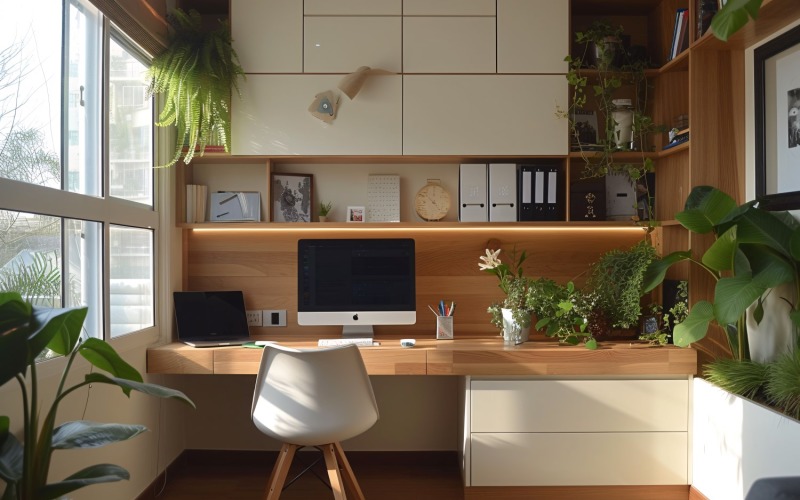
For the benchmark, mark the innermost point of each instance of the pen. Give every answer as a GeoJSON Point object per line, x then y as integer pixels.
{"type": "Point", "coordinates": [434, 312]}
{"type": "Point", "coordinates": [452, 308]}
{"type": "Point", "coordinates": [441, 308]}
{"type": "Point", "coordinates": [226, 200]}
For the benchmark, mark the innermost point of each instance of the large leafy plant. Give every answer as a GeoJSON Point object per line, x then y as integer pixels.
{"type": "Point", "coordinates": [754, 251]}
{"type": "Point", "coordinates": [196, 73]}
{"type": "Point", "coordinates": [26, 331]}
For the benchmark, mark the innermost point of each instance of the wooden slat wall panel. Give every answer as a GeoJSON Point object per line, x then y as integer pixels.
{"type": "Point", "coordinates": [263, 265]}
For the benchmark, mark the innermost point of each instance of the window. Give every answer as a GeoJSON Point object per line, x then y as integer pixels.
{"type": "Point", "coordinates": [77, 216]}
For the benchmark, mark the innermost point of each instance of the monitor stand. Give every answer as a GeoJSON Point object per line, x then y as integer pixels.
{"type": "Point", "coordinates": [360, 331]}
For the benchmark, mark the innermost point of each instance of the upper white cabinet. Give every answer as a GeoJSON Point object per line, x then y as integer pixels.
{"type": "Point", "coordinates": [352, 7]}
{"type": "Point", "coordinates": [268, 35]}
{"type": "Point", "coordinates": [449, 45]}
{"type": "Point", "coordinates": [343, 44]}
{"type": "Point", "coordinates": [532, 36]}
{"type": "Point", "coordinates": [272, 117]}
{"type": "Point", "coordinates": [484, 115]}
{"type": "Point", "coordinates": [448, 7]}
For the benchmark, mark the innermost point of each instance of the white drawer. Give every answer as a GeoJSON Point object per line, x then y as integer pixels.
{"type": "Point", "coordinates": [579, 405]}
{"type": "Point", "coordinates": [449, 7]}
{"type": "Point", "coordinates": [343, 44]}
{"type": "Point", "coordinates": [268, 35]}
{"type": "Point", "coordinates": [272, 117]}
{"type": "Point", "coordinates": [467, 115]}
{"type": "Point", "coordinates": [625, 458]}
{"type": "Point", "coordinates": [449, 45]}
{"type": "Point", "coordinates": [352, 7]}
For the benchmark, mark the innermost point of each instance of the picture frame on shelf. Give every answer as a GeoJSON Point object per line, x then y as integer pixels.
{"type": "Point", "coordinates": [356, 214]}
{"type": "Point", "coordinates": [585, 133]}
{"type": "Point", "coordinates": [292, 197]}
{"type": "Point", "coordinates": [777, 121]}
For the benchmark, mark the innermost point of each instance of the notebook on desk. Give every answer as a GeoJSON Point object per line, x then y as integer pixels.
{"type": "Point", "coordinates": [211, 319]}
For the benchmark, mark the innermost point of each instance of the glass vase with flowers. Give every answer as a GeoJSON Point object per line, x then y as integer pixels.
{"type": "Point", "coordinates": [511, 316]}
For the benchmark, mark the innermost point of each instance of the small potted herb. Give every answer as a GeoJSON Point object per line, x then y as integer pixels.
{"type": "Point", "coordinates": [324, 210]}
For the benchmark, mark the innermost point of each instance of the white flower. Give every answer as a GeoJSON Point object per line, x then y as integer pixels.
{"type": "Point", "coordinates": [490, 260]}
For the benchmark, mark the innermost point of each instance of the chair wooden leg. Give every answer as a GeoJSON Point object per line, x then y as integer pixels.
{"type": "Point", "coordinates": [334, 475]}
{"type": "Point", "coordinates": [279, 472]}
{"type": "Point", "coordinates": [349, 477]}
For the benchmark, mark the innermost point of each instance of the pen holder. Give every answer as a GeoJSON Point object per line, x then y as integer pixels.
{"type": "Point", "coordinates": [444, 327]}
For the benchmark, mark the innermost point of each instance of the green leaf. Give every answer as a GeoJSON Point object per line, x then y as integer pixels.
{"type": "Point", "coordinates": [794, 245]}
{"type": "Point", "coordinates": [761, 227]}
{"type": "Point", "coordinates": [795, 317]}
{"type": "Point", "coordinates": [657, 270]}
{"type": "Point", "coordinates": [758, 311]}
{"type": "Point", "coordinates": [104, 357]}
{"type": "Point", "coordinates": [13, 354]}
{"type": "Point", "coordinates": [12, 454]}
{"type": "Point", "coordinates": [57, 329]}
{"type": "Point", "coordinates": [14, 312]}
{"type": "Point", "coordinates": [86, 434]}
{"type": "Point", "coordinates": [704, 209]}
{"type": "Point", "coordinates": [733, 16]}
{"type": "Point", "coordinates": [720, 254]}
{"type": "Point", "coordinates": [732, 297]}
{"type": "Point", "coordinates": [96, 474]}
{"type": "Point", "coordinates": [591, 344]}
{"type": "Point", "coordinates": [150, 389]}
{"type": "Point", "coordinates": [695, 326]}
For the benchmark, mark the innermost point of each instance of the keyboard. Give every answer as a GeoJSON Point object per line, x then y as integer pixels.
{"type": "Point", "coordinates": [359, 341]}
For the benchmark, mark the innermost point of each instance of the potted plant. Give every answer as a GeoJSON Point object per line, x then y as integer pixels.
{"type": "Point", "coordinates": [617, 280]}
{"type": "Point", "coordinates": [196, 74]}
{"type": "Point", "coordinates": [26, 331]}
{"type": "Point", "coordinates": [561, 311]}
{"type": "Point", "coordinates": [511, 316]}
{"type": "Point", "coordinates": [324, 210]}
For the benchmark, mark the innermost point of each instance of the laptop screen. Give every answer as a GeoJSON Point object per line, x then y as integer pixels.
{"type": "Point", "coordinates": [210, 315]}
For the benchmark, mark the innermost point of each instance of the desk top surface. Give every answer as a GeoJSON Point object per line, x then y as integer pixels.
{"type": "Point", "coordinates": [466, 356]}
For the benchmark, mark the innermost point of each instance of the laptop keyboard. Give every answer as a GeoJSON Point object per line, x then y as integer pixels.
{"type": "Point", "coordinates": [359, 341]}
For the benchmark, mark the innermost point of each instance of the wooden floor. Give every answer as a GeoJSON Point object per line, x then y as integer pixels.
{"type": "Point", "coordinates": [243, 476]}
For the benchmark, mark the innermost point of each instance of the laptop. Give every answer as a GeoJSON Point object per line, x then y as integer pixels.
{"type": "Point", "coordinates": [211, 319]}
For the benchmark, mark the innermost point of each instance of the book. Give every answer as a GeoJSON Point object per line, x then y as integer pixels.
{"type": "Point", "coordinates": [679, 32]}
{"type": "Point", "coordinates": [585, 132]}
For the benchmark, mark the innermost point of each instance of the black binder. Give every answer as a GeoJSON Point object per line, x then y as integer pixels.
{"type": "Point", "coordinates": [539, 193]}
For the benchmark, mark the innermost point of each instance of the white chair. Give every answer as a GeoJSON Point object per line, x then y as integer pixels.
{"type": "Point", "coordinates": [313, 397]}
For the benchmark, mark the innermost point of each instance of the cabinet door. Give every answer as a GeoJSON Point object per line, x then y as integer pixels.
{"type": "Point", "coordinates": [581, 458]}
{"type": "Point", "coordinates": [579, 405]}
{"type": "Point", "coordinates": [449, 45]}
{"type": "Point", "coordinates": [268, 35]}
{"type": "Point", "coordinates": [352, 7]}
{"type": "Point", "coordinates": [343, 44]}
{"type": "Point", "coordinates": [532, 36]}
{"type": "Point", "coordinates": [449, 8]}
{"type": "Point", "coordinates": [484, 115]}
{"type": "Point", "coordinates": [272, 117]}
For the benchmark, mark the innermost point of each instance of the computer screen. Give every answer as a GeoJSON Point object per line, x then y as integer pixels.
{"type": "Point", "coordinates": [356, 283]}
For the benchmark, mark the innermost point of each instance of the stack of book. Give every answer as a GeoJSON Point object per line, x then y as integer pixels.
{"type": "Point", "coordinates": [196, 196]}
{"type": "Point", "coordinates": [680, 34]}
{"type": "Point", "coordinates": [677, 137]}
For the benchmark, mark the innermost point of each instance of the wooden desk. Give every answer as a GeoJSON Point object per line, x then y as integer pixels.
{"type": "Point", "coordinates": [468, 356]}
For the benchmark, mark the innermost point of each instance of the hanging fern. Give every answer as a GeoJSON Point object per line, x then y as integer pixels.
{"type": "Point", "coordinates": [196, 74]}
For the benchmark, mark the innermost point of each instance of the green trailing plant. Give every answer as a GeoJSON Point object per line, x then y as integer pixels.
{"type": "Point", "coordinates": [561, 311]}
{"type": "Point", "coordinates": [25, 331]}
{"type": "Point", "coordinates": [596, 78]}
{"type": "Point", "coordinates": [754, 251]}
{"type": "Point", "coordinates": [675, 315]}
{"type": "Point", "coordinates": [196, 74]}
{"type": "Point", "coordinates": [617, 280]}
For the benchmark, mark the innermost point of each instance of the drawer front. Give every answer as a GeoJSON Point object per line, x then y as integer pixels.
{"type": "Point", "coordinates": [579, 405]}
{"type": "Point", "coordinates": [352, 7]}
{"type": "Point", "coordinates": [449, 7]}
{"type": "Point", "coordinates": [343, 44]}
{"type": "Point", "coordinates": [571, 459]}
{"type": "Point", "coordinates": [449, 45]}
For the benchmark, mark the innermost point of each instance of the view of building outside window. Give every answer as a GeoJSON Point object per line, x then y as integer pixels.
{"type": "Point", "coordinates": [46, 107]}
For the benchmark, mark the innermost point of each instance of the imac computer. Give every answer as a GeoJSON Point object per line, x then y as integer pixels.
{"type": "Point", "coordinates": [356, 283]}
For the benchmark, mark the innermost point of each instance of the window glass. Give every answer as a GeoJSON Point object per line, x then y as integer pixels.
{"type": "Point", "coordinates": [30, 256]}
{"type": "Point", "coordinates": [30, 92]}
{"type": "Point", "coordinates": [131, 279]}
{"type": "Point", "coordinates": [130, 128]}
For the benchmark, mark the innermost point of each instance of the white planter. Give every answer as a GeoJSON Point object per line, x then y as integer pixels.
{"type": "Point", "coordinates": [736, 441]}
{"type": "Point", "coordinates": [512, 333]}
{"type": "Point", "coordinates": [775, 335]}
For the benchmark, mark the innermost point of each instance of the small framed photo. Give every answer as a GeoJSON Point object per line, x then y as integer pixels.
{"type": "Point", "coordinates": [291, 197]}
{"type": "Point", "coordinates": [355, 214]}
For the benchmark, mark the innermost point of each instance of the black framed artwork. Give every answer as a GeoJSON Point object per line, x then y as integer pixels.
{"type": "Point", "coordinates": [777, 121]}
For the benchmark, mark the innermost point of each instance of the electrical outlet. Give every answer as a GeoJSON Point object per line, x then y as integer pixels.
{"type": "Point", "coordinates": [274, 317]}
{"type": "Point", "coordinates": [254, 318]}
